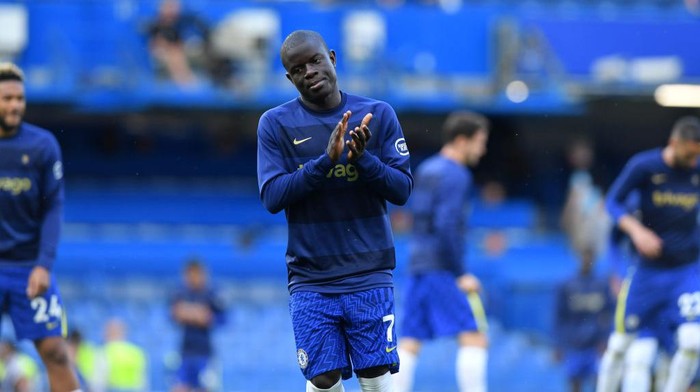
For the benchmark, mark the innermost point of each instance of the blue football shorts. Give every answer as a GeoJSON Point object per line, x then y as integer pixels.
{"type": "Point", "coordinates": [34, 319]}
{"type": "Point", "coordinates": [433, 306]}
{"type": "Point", "coordinates": [581, 364]}
{"type": "Point", "coordinates": [191, 369]}
{"type": "Point", "coordinates": [656, 301]}
{"type": "Point", "coordinates": [344, 331]}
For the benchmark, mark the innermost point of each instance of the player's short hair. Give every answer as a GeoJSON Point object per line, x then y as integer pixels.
{"type": "Point", "coordinates": [194, 264]}
{"type": "Point", "coordinates": [298, 37]}
{"type": "Point", "coordinates": [463, 123]}
{"type": "Point", "coordinates": [9, 71]}
{"type": "Point", "coordinates": [687, 128]}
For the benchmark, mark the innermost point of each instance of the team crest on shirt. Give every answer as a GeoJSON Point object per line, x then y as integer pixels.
{"type": "Point", "coordinates": [658, 179]}
{"type": "Point", "coordinates": [632, 321]}
{"type": "Point", "coordinates": [302, 358]}
{"type": "Point", "coordinates": [25, 159]}
{"type": "Point", "coordinates": [401, 146]}
{"type": "Point", "coordinates": [695, 180]}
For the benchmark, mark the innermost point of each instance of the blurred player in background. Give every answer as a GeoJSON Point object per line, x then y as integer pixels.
{"type": "Point", "coordinates": [441, 296]}
{"type": "Point", "coordinates": [197, 308]}
{"type": "Point", "coordinates": [582, 321]}
{"type": "Point", "coordinates": [31, 207]}
{"type": "Point", "coordinates": [18, 371]}
{"type": "Point", "coordinates": [664, 290]}
{"type": "Point", "coordinates": [123, 365]}
{"type": "Point", "coordinates": [319, 161]}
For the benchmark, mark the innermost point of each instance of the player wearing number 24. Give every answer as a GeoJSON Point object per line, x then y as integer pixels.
{"type": "Point", "coordinates": [320, 163]}
{"type": "Point", "coordinates": [31, 203]}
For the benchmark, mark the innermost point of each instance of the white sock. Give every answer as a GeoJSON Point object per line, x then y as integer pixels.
{"type": "Point", "coordinates": [471, 369]}
{"type": "Point", "coordinates": [403, 380]}
{"type": "Point", "coordinates": [338, 387]}
{"type": "Point", "coordinates": [382, 383]}
{"type": "Point", "coordinates": [683, 367]}
{"type": "Point", "coordinates": [610, 371]}
{"type": "Point", "coordinates": [638, 363]}
{"type": "Point", "coordinates": [663, 363]}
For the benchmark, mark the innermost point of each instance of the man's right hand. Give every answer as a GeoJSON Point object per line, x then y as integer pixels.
{"type": "Point", "coordinates": [336, 143]}
{"type": "Point", "coordinates": [648, 244]}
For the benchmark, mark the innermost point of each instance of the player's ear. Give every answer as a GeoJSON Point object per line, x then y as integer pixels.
{"type": "Point", "coordinates": [331, 55]}
{"type": "Point", "coordinates": [289, 77]}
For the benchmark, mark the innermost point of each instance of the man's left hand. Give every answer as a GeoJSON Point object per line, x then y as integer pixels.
{"type": "Point", "coordinates": [39, 281]}
{"type": "Point", "coordinates": [360, 136]}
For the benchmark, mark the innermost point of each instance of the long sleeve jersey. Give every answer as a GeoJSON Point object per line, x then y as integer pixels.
{"type": "Point", "coordinates": [439, 207]}
{"type": "Point", "coordinates": [668, 204]}
{"type": "Point", "coordinates": [31, 197]}
{"type": "Point", "coordinates": [584, 308]}
{"type": "Point", "coordinates": [339, 234]}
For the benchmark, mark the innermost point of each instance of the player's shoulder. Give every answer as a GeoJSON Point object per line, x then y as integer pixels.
{"type": "Point", "coordinates": [648, 159]}
{"type": "Point", "coordinates": [38, 137]}
{"type": "Point", "coordinates": [282, 109]}
{"type": "Point", "coordinates": [37, 132]}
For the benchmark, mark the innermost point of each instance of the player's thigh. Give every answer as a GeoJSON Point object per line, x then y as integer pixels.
{"type": "Point", "coordinates": [451, 311]}
{"type": "Point", "coordinates": [36, 318]}
{"type": "Point", "coordinates": [317, 320]}
{"type": "Point", "coordinates": [414, 318]}
{"type": "Point", "coordinates": [191, 369]}
{"type": "Point", "coordinates": [370, 328]}
{"type": "Point", "coordinates": [684, 300]}
{"type": "Point", "coordinates": [641, 301]}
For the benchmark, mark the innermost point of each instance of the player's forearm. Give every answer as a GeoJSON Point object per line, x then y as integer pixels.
{"type": "Point", "coordinates": [394, 184]}
{"type": "Point", "coordinates": [286, 189]}
{"type": "Point", "coordinates": [452, 253]}
{"type": "Point", "coordinates": [50, 233]}
{"type": "Point", "coordinates": [629, 224]}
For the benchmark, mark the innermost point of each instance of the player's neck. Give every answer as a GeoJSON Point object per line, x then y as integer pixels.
{"type": "Point", "coordinates": [8, 132]}
{"type": "Point", "coordinates": [667, 156]}
{"type": "Point", "coordinates": [452, 154]}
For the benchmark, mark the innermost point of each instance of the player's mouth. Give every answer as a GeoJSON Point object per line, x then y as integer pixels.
{"type": "Point", "coordinates": [315, 86]}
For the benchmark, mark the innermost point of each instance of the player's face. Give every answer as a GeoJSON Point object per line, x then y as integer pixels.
{"type": "Point", "coordinates": [311, 68]}
{"type": "Point", "coordinates": [686, 153]}
{"type": "Point", "coordinates": [476, 148]}
{"type": "Point", "coordinates": [12, 105]}
{"type": "Point", "coordinates": [195, 278]}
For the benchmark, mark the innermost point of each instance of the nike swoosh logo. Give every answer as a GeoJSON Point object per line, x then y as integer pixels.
{"type": "Point", "coordinates": [300, 141]}
{"type": "Point", "coordinates": [390, 349]}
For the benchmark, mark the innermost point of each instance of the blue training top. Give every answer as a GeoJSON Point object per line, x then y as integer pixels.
{"type": "Point", "coordinates": [439, 204]}
{"type": "Point", "coordinates": [31, 197]}
{"type": "Point", "coordinates": [340, 237]}
{"type": "Point", "coordinates": [668, 203]}
{"type": "Point", "coordinates": [196, 340]}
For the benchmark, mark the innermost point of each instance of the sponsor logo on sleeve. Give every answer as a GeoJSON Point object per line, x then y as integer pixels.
{"type": "Point", "coordinates": [401, 146]}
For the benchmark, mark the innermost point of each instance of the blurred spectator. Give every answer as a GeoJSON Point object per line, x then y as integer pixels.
{"type": "Point", "coordinates": [584, 218]}
{"type": "Point", "coordinates": [244, 43]}
{"type": "Point", "coordinates": [178, 41]}
{"type": "Point", "coordinates": [84, 356]}
{"type": "Point", "coordinates": [18, 371]}
{"type": "Point", "coordinates": [123, 365]}
{"type": "Point", "coordinates": [197, 308]}
{"type": "Point", "coordinates": [583, 315]}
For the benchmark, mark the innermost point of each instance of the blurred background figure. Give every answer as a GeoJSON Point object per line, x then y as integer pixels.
{"type": "Point", "coordinates": [584, 218]}
{"type": "Point", "coordinates": [197, 309]}
{"type": "Point", "coordinates": [84, 356]}
{"type": "Point", "coordinates": [442, 297]}
{"type": "Point", "coordinates": [18, 371]}
{"type": "Point", "coordinates": [122, 366]}
{"type": "Point", "coordinates": [584, 310]}
{"type": "Point", "coordinates": [178, 42]}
